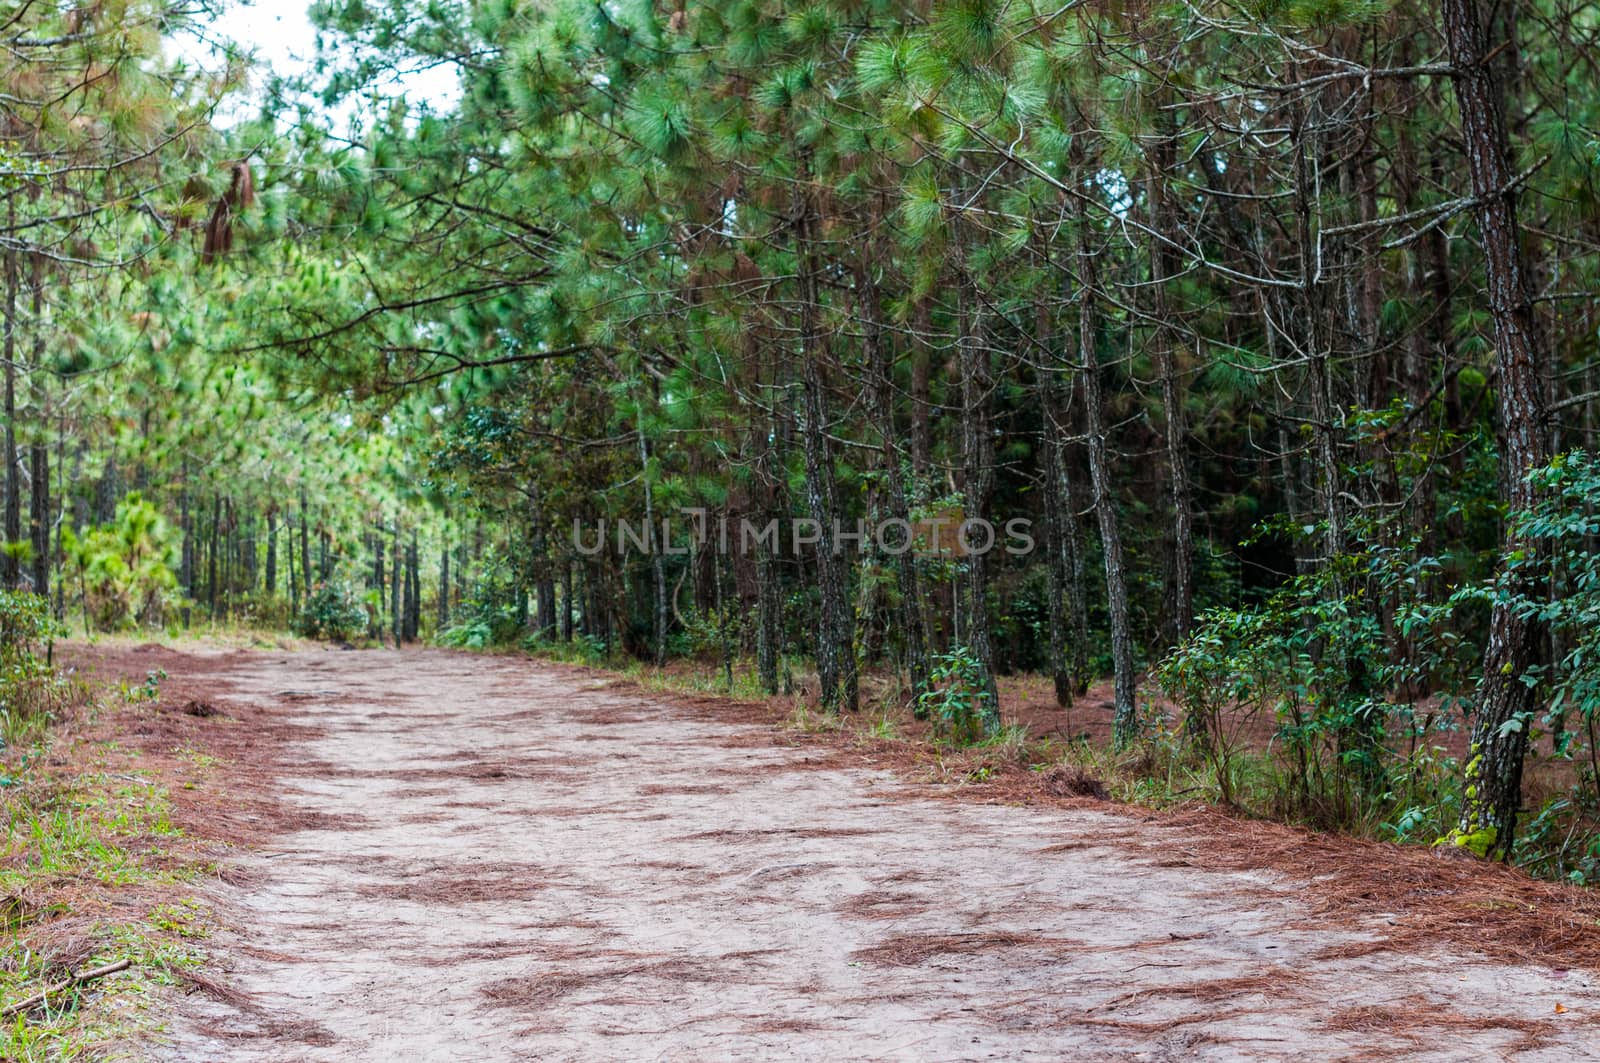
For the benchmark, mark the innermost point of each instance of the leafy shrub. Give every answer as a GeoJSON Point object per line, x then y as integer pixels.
{"type": "Point", "coordinates": [957, 698]}
{"type": "Point", "coordinates": [1224, 676]}
{"type": "Point", "coordinates": [29, 687]}
{"type": "Point", "coordinates": [1340, 680]}
{"type": "Point", "coordinates": [124, 570]}
{"type": "Point", "coordinates": [492, 613]}
{"type": "Point", "coordinates": [1564, 839]}
{"type": "Point", "coordinates": [333, 612]}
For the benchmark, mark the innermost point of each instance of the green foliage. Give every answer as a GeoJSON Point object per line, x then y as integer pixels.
{"type": "Point", "coordinates": [1337, 683]}
{"type": "Point", "coordinates": [333, 612]}
{"type": "Point", "coordinates": [957, 698]}
{"type": "Point", "coordinates": [1224, 677]}
{"type": "Point", "coordinates": [29, 688]}
{"type": "Point", "coordinates": [125, 568]}
{"type": "Point", "coordinates": [1566, 528]}
{"type": "Point", "coordinates": [493, 613]}
{"type": "Point", "coordinates": [583, 649]}
{"type": "Point", "coordinates": [1563, 532]}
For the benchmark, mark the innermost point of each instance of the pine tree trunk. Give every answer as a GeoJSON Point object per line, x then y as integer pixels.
{"type": "Point", "coordinates": [211, 560]}
{"type": "Point", "coordinates": [769, 617]}
{"type": "Point", "coordinates": [977, 448]}
{"type": "Point", "coordinates": [1360, 742]}
{"type": "Point", "coordinates": [396, 593]}
{"type": "Point", "coordinates": [413, 618]}
{"type": "Point", "coordinates": [594, 610]}
{"type": "Point", "coordinates": [186, 525]}
{"type": "Point", "coordinates": [271, 583]}
{"type": "Point", "coordinates": [10, 570]}
{"type": "Point", "coordinates": [1069, 634]}
{"type": "Point", "coordinates": [294, 573]}
{"type": "Point", "coordinates": [443, 619]}
{"type": "Point", "coordinates": [107, 491]}
{"type": "Point", "coordinates": [1125, 720]}
{"type": "Point", "coordinates": [546, 586]}
{"type": "Point", "coordinates": [725, 619]}
{"type": "Point", "coordinates": [658, 570]}
{"type": "Point", "coordinates": [39, 457]}
{"type": "Point", "coordinates": [305, 545]}
{"type": "Point", "coordinates": [1505, 702]}
{"type": "Point", "coordinates": [836, 670]}
{"type": "Point", "coordinates": [921, 399]}
{"type": "Point", "coordinates": [1429, 350]}
{"type": "Point", "coordinates": [916, 632]}
{"type": "Point", "coordinates": [1163, 266]}
{"type": "Point", "coordinates": [39, 518]}
{"type": "Point", "coordinates": [59, 559]}
{"type": "Point", "coordinates": [769, 586]}
{"type": "Point", "coordinates": [836, 658]}
{"type": "Point", "coordinates": [1324, 410]}
{"type": "Point", "coordinates": [569, 586]}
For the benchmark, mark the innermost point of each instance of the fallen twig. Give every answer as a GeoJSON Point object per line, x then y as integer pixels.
{"type": "Point", "coordinates": [61, 987]}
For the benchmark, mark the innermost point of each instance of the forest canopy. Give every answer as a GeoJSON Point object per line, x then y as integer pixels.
{"type": "Point", "coordinates": [1271, 327]}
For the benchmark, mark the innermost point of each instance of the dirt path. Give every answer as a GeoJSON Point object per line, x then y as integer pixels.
{"type": "Point", "coordinates": [514, 863]}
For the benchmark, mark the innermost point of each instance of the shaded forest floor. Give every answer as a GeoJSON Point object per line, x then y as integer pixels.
{"type": "Point", "coordinates": [444, 856]}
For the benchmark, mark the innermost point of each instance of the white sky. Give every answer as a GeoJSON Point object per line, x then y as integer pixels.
{"type": "Point", "coordinates": [282, 37]}
{"type": "Point", "coordinates": [279, 31]}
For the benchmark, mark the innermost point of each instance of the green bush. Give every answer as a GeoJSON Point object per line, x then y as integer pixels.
{"type": "Point", "coordinates": [492, 613]}
{"type": "Point", "coordinates": [1563, 840]}
{"type": "Point", "coordinates": [124, 570]}
{"type": "Point", "coordinates": [1342, 684]}
{"type": "Point", "coordinates": [957, 698]}
{"type": "Point", "coordinates": [333, 612]}
{"type": "Point", "coordinates": [29, 688]}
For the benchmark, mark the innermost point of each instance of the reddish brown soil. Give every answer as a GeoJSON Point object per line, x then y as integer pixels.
{"type": "Point", "coordinates": [469, 858]}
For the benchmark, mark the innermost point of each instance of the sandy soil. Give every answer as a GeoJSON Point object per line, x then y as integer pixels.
{"type": "Point", "coordinates": [486, 859]}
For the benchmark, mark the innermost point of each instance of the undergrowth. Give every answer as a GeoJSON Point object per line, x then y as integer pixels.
{"type": "Point", "coordinates": [92, 868]}
{"type": "Point", "coordinates": [1296, 777]}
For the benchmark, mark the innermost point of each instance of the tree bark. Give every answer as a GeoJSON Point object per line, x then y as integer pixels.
{"type": "Point", "coordinates": [1069, 634]}
{"type": "Point", "coordinates": [413, 619]}
{"type": "Point", "coordinates": [1125, 720]}
{"type": "Point", "coordinates": [921, 400]}
{"type": "Point", "coordinates": [836, 659]}
{"type": "Point", "coordinates": [397, 589]}
{"type": "Point", "coordinates": [916, 632]}
{"type": "Point", "coordinates": [10, 570]}
{"type": "Point", "coordinates": [305, 544]}
{"type": "Point", "coordinates": [270, 584]}
{"type": "Point", "coordinates": [211, 560]}
{"type": "Point", "coordinates": [1505, 701]}
{"type": "Point", "coordinates": [769, 587]}
{"type": "Point", "coordinates": [186, 524]}
{"type": "Point", "coordinates": [39, 457]}
{"type": "Point", "coordinates": [1164, 266]}
{"type": "Point", "coordinates": [977, 447]}
{"type": "Point", "coordinates": [39, 518]}
{"type": "Point", "coordinates": [443, 619]}
{"type": "Point", "coordinates": [294, 573]}
{"type": "Point", "coordinates": [653, 543]}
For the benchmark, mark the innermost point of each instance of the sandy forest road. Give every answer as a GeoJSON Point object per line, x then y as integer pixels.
{"type": "Point", "coordinates": [496, 861]}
